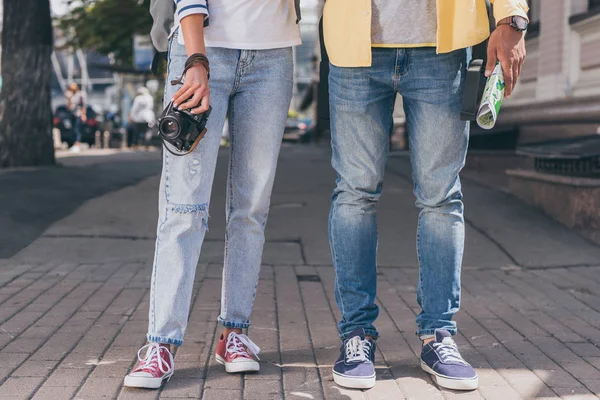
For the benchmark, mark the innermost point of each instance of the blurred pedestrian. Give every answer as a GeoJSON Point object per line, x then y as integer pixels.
{"type": "Point", "coordinates": [76, 103]}
{"type": "Point", "coordinates": [140, 116]}
{"type": "Point", "coordinates": [249, 46]}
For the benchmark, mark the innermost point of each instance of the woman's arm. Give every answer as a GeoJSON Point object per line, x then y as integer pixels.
{"type": "Point", "coordinates": [195, 90]}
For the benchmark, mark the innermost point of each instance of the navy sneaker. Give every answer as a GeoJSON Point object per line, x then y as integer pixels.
{"type": "Point", "coordinates": [355, 367]}
{"type": "Point", "coordinates": [441, 359]}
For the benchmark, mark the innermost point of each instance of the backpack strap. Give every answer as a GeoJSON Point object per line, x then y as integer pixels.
{"type": "Point", "coordinates": [475, 79]}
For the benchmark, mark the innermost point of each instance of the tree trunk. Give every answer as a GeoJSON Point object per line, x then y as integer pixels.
{"type": "Point", "coordinates": [25, 108]}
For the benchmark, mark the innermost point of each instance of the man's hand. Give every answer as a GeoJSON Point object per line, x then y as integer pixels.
{"type": "Point", "coordinates": [508, 47]}
{"type": "Point", "coordinates": [194, 94]}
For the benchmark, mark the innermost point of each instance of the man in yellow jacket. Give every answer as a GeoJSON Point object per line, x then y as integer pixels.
{"type": "Point", "coordinates": [420, 49]}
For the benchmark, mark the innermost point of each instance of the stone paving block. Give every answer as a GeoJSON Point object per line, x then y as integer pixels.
{"type": "Point", "coordinates": [5, 372]}
{"type": "Point", "coordinates": [303, 395]}
{"type": "Point", "coordinates": [299, 371]}
{"type": "Point", "coordinates": [67, 377]}
{"type": "Point", "coordinates": [556, 350]}
{"type": "Point", "coordinates": [456, 395]}
{"type": "Point", "coordinates": [125, 354]}
{"type": "Point", "coordinates": [584, 349]}
{"type": "Point", "coordinates": [530, 355]}
{"type": "Point", "coordinates": [35, 368]}
{"type": "Point", "coordinates": [55, 393]}
{"type": "Point", "coordinates": [263, 389]}
{"type": "Point", "coordinates": [20, 345]}
{"type": "Point", "coordinates": [595, 361]}
{"type": "Point", "coordinates": [560, 312]}
{"type": "Point", "coordinates": [9, 290]}
{"type": "Point", "coordinates": [91, 346]}
{"type": "Point", "coordinates": [385, 389]}
{"type": "Point", "coordinates": [20, 322]}
{"type": "Point", "coordinates": [581, 370]}
{"type": "Point", "coordinates": [36, 332]}
{"type": "Point", "coordinates": [493, 387]}
{"type": "Point", "coordinates": [593, 385]}
{"type": "Point", "coordinates": [12, 360]}
{"type": "Point", "coordinates": [222, 394]}
{"type": "Point", "coordinates": [128, 340]}
{"type": "Point", "coordinates": [573, 394]}
{"type": "Point", "coordinates": [186, 369]}
{"type": "Point", "coordinates": [99, 387]}
{"type": "Point", "coordinates": [335, 392]}
{"type": "Point", "coordinates": [79, 360]}
{"type": "Point", "coordinates": [217, 378]}
{"type": "Point", "coordinates": [559, 378]}
{"type": "Point", "coordinates": [46, 353]}
{"type": "Point", "coordinates": [21, 388]}
{"type": "Point", "coordinates": [135, 328]}
{"type": "Point", "coordinates": [138, 394]}
{"type": "Point", "coordinates": [182, 388]}
{"type": "Point", "coordinates": [269, 369]}
{"type": "Point", "coordinates": [111, 369]}
{"type": "Point", "coordinates": [301, 379]}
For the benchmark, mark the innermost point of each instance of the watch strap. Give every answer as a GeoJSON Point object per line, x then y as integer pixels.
{"type": "Point", "coordinates": [504, 21]}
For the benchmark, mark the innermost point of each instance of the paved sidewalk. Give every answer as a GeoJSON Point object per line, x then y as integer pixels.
{"type": "Point", "coordinates": [76, 249]}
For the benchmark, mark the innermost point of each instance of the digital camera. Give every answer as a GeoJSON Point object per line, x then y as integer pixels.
{"type": "Point", "coordinates": [182, 129]}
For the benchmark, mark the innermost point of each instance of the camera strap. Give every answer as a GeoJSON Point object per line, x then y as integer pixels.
{"type": "Point", "coordinates": [196, 58]}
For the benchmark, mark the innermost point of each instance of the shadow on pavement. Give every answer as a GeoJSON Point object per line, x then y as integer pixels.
{"type": "Point", "coordinates": [32, 199]}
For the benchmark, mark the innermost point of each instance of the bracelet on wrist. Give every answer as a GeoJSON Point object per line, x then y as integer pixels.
{"type": "Point", "coordinates": [196, 58]}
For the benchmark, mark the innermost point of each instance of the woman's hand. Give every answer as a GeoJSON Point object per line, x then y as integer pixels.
{"type": "Point", "coordinates": [195, 93]}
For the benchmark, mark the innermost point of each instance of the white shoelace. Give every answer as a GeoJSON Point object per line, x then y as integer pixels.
{"type": "Point", "coordinates": [358, 350]}
{"type": "Point", "coordinates": [153, 350]}
{"type": "Point", "coordinates": [239, 343]}
{"type": "Point", "coordinates": [448, 351]}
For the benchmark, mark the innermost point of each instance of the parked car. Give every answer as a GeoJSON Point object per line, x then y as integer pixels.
{"type": "Point", "coordinates": [295, 128]}
{"type": "Point", "coordinates": [64, 120]}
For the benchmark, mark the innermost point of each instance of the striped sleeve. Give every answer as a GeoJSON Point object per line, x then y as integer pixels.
{"type": "Point", "coordinates": [189, 7]}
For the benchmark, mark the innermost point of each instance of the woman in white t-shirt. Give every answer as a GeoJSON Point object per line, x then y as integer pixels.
{"type": "Point", "coordinates": [249, 47]}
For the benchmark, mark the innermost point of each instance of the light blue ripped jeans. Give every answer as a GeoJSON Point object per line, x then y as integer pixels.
{"type": "Point", "coordinates": [254, 89]}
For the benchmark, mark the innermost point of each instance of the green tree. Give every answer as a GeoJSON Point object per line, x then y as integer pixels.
{"type": "Point", "coordinates": [107, 26]}
{"type": "Point", "coordinates": [25, 108]}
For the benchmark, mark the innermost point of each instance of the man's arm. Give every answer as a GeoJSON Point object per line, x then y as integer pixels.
{"type": "Point", "coordinates": [506, 45]}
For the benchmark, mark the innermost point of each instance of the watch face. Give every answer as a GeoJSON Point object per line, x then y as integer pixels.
{"type": "Point", "coordinates": [520, 23]}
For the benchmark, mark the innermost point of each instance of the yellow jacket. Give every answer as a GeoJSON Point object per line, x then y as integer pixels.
{"type": "Point", "coordinates": [460, 24]}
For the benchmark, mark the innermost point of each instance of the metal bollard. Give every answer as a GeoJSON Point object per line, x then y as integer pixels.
{"type": "Point", "coordinates": [124, 138]}
{"type": "Point", "coordinates": [56, 138]}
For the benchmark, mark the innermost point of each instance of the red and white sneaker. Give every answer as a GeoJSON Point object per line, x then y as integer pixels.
{"type": "Point", "coordinates": [153, 368]}
{"type": "Point", "coordinates": [233, 353]}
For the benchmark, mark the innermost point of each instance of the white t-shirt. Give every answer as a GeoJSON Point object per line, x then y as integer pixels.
{"type": "Point", "coordinates": [142, 109]}
{"type": "Point", "coordinates": [251, 24]}
{"type": "Point", "coordinates": [403, 23]}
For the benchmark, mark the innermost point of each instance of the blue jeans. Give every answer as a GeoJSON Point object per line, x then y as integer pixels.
{"type": "Point", "coordinates": [78, 129]}
{"type": "Point", "coordinates": [255, 87]}
{"type": "Point", "coordinates": [362, 102]}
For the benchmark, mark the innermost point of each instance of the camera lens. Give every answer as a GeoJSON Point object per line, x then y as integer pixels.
{"type": "Point", "coordinates": [170, 127]}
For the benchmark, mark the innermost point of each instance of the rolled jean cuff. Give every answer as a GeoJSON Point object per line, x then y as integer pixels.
{"type": "Point", "coordinates": [430, 333]}
{"type": "Point", "coordinates": [368, 332]}
{"type": "Point", "coordinates": [164, 340]}
{"type": "Point", "coordinates": [234, 325]}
